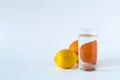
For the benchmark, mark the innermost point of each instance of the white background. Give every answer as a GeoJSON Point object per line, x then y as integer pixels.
{"type": "Point", "coordinates": [32, 31]}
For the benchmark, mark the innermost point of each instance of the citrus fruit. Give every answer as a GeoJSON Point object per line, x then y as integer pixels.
{"type": "Point", "coordinates": [65, 58]}
{"type": "Point", "coordinates": [74, 46]}
{"type": "Point", "coordinates": [88, 52]}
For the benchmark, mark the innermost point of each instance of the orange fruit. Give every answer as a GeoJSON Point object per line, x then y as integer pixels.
{"type": "Point", "coordinates": [74, 46]}
{"type": "Point", "coordinates": [88, 52]}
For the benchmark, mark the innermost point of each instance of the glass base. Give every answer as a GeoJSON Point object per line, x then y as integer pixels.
{"type": "Point", "coordinates": [88, 67]}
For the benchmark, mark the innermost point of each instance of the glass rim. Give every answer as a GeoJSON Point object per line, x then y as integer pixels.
{"type": "Point", "coordinates": [88, 31]}
{"type": "Point", "coordinates": [88, 28]}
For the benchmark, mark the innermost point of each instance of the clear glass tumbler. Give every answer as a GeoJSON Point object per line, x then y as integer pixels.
{"type": "Point", "coordinates": [87, 48]}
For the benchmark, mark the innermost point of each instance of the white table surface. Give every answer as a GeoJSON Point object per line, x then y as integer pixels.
{"type": "Point", "coordinates": [32, 31]}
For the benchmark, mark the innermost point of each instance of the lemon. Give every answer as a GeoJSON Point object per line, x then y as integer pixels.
{"type": "Point", "coordinates": [65, 58]}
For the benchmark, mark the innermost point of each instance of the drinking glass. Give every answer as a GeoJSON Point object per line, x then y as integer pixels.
{"type": "Point", "coordinates": [87, 48]}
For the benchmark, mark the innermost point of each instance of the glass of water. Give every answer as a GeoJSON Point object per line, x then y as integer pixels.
{"type": "Point", "coordinates": [87, 48]}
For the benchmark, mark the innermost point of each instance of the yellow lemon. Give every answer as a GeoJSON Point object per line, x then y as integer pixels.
{"type": "Point", "coordinates": [65, 58]}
